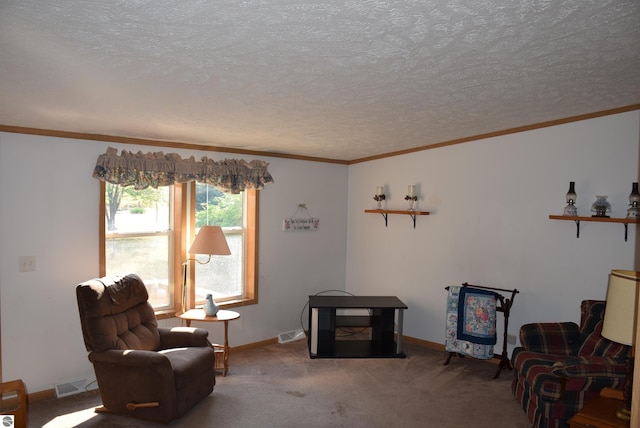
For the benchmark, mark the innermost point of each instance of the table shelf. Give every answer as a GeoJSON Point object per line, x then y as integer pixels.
{"type": "Point", "coordinates": [353, 321]}
{"type": "Point", "coordinates": [578, 219]}
{"type": "Point", "coordinates": [221, 352]}
{"type": "Point", "coordinates": [385, 213]}
{"type": "Point", "coordinates": [382, 343]}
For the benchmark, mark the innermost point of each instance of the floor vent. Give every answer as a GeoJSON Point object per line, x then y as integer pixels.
{"type": "Point", "coordinates": [291, 336]}
{"type": "Point", "coordinates": [76, 386]}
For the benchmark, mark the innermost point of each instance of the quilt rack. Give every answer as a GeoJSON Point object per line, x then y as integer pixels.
{"type": "Point", "coordinates": [504, 306]}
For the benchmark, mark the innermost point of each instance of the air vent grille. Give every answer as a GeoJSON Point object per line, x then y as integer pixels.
{"type": "Point", "coordinates": [291, 336]}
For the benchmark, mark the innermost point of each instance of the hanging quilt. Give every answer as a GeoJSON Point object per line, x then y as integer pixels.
{"type": "Point", "coordinates": [471, 322]}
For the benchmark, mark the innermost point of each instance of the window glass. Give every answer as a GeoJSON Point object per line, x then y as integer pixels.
{"type": "Point", "coordinates": [148, 232]}
{"type": "Point", "coordinates": [223, 276]}
{"type": "Point", "coordinates": [138, 237]}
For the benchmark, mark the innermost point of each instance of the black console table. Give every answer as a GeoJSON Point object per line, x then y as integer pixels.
{"type": "Point", "coordinates": [323, 321]}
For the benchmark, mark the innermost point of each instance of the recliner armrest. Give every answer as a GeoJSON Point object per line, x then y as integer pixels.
{"type": "Point", "coordinates": [180, 337]}
{"type": "Point", "coordinates": [129, 358]}
{"type": "Point", "coordinates": [558, 338]}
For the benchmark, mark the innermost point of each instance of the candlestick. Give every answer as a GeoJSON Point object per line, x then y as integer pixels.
{"type": "Point", "coordinates": [411, 196]}
{"type": "Point", "coordinates": [379, 196]}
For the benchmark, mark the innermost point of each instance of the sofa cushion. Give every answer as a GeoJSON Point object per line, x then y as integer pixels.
{"type": "Point", "coordinates": [598, 346]}
{"type": "Point", "coordinates": [558, 338]}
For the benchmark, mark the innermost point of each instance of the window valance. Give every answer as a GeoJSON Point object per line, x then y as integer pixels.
{"type": "Point", "coordinates": [154, 169]}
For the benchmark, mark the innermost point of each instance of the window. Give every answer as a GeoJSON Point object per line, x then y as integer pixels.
{"type": "Point", "coordinates": [147, 232]}
{"type": "Point", "coordinates": [223, 276]}
{"type": "Point", "coordinates": [139, 237]}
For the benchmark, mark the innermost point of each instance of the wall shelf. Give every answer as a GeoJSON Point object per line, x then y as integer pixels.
{"type": "Point", "coordinates": [411, 213]}
{"type": "Point", "coordinates": [578, 219]}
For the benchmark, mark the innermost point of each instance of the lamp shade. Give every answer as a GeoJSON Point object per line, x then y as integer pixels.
{"type": "Point", "coordinates": [210, 240]}
{"type": "Point", "coordinates": [620, 313]}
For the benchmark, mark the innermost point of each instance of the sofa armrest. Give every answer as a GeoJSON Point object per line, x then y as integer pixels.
{"type": "Point", "coordinates": [558, 338]}
{"type": "Point", "coordinates": [590, 367]}
{"type": "Point", "coordinates": [179, 337]}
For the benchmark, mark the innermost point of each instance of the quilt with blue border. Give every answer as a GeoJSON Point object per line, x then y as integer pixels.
{"type": "Point", "coordinates": [471, 322]}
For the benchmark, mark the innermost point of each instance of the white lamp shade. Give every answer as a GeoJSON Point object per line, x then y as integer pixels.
{"type": "Point", "coordinates": [620, 313]}
{"type": "Point", "coordinates": [210, 240]}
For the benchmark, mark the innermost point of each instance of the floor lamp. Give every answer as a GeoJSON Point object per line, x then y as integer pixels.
{"type": "Point", "coordinates": [619, 323]}
{"type": "Point", "coordinates": [210, 240]}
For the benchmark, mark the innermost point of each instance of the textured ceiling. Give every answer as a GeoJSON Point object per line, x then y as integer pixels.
{"type": "Point", "coordinates": [338, 79]}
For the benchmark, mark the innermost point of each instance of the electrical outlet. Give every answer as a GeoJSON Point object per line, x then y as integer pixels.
{"type": "Point", "coordinates": [27, 263]}
{"type": "Point", "coordinates": [511, 339]}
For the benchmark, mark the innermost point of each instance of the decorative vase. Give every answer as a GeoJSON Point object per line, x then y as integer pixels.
{"type": "Point", "coordinates": [601, 207]}
{"type": "Point", "coordinates": [210, 307]}
{"type": "Point", "coordinates": [570, 209]}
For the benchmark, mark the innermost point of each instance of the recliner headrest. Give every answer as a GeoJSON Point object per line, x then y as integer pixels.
{"type": "Point", "coordinates": [112, 295]}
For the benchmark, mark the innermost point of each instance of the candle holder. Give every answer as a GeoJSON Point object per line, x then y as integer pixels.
{"type": "Point", "coordinates": [411, 196]}
{"type": "Point", "coordinates": [634, 198]}
{"type": "Point", "coordinates": [570, 209]}
{"type": "Point", "coordinates": [379, 198]}
{"type": "Point", "coordinates": [412, 200]}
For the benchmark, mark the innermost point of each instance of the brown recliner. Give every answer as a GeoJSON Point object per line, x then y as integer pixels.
{"type": "Point", "coordinates": [143, 371]}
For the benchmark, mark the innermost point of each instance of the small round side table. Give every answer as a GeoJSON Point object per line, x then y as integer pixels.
{"type": "Point", "coordinates": [222, 316]}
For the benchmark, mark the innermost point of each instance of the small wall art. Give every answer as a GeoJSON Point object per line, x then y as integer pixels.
{"type": "Point", "coordinates": [299, 223]}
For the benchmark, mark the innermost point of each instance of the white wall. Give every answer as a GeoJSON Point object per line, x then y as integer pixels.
{"type": "Point", "coordinates": [49, 209]}
{"type": "Point", "coordinates": [490, 201]}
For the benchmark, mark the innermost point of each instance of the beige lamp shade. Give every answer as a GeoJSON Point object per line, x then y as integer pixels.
{"type": "Point", "coordinates": [620, 314]}
{"type": "Point", "coordinates": [210, 240]}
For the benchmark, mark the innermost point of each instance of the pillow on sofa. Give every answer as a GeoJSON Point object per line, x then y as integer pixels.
{"type": "Point", "coordinates": [598, 346]}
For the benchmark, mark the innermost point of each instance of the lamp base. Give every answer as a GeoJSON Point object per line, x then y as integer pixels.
{"type": "Point", "coordinates": [623, 414]}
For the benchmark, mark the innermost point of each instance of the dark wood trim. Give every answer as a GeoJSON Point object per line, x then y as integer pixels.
{"type": "Point", "coordinates": [175, 144]}
{"type": "Point", "coordinates": [102, 227]}
{"type": "Point", "coordinates": [255, 345]}
{"type": "Point", "coordinates": [50, 393]}
{"type": "Point", "coordinates": [179, 242]}
{"type": "Point", "coordinates": [501, 133]}
{"type": "Point", "coordinates": [41, 395]}
{"type": "Point", "coordinates": [424, 343]}
{"type": "Point", "coordinates": [158, 143]}
{"type": "Point", "coordinates": [596, 219]}
{"type": "Point", "coordinates": [251, 253]}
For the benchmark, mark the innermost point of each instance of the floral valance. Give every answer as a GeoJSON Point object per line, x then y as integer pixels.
{"type": "Point", "coordinates": [142, 170]}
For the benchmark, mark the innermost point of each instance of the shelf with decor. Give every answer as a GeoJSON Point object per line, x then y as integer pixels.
{"type": "Point", "coordinates": [411, 213]}
{"type": "Point", "coordinates": [578, 219]}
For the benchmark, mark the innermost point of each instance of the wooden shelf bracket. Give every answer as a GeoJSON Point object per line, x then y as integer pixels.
{"type": "Point", "coordinates": [385, 213]}
{"type": "Point", "coordinates": [577, 220]}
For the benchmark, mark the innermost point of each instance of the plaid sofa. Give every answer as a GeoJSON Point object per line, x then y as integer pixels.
{"type": "Point", "coordinates": [561, 366]}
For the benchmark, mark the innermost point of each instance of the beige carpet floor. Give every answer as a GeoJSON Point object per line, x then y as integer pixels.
{"type": "Point", "coordinates": [280, 386]}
